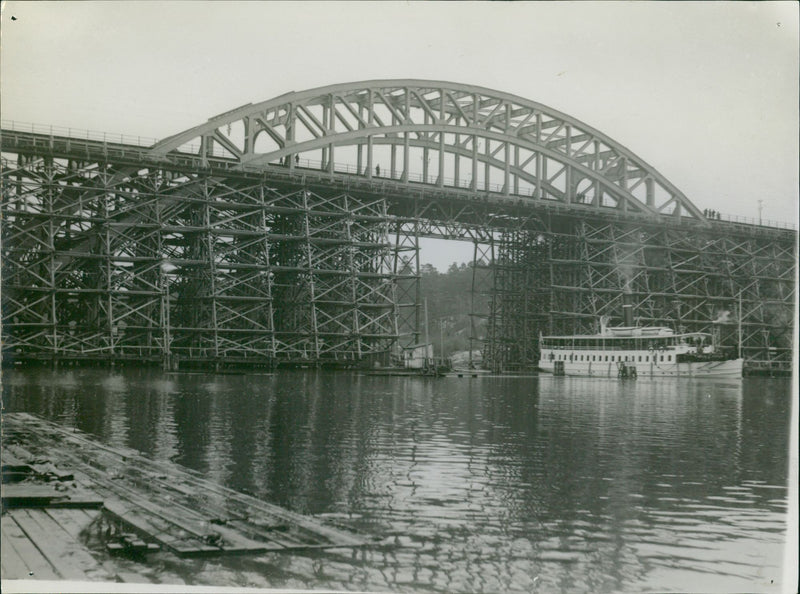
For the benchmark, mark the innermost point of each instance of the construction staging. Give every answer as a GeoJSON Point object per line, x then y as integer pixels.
{"type": "Point", "coordinates": [288, 233]}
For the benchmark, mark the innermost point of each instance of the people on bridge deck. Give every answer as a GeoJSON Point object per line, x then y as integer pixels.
{"type": "Point", "coordinates": [297, 159]}
{"type": "Point", "coordinates": [377, 169]}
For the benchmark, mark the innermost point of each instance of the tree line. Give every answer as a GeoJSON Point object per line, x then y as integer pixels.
{"type": "Point", "coordinates": [449, 301]}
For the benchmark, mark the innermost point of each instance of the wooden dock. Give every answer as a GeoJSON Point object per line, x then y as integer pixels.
{"type": "Point", "coordinates": [59, 482]}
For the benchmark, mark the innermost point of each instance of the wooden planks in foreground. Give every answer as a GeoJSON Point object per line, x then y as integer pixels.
{"type": "Point", "coordinates": [41, 543]}
{"type": "Point", "coordinates": [162, 502]}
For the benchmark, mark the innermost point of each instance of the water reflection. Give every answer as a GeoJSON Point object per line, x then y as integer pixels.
{"type": "Point", "coordinates": [486, 484]}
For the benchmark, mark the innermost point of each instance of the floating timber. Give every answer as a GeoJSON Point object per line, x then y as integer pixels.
{"type": "Point", "coordinates": [147, 501]}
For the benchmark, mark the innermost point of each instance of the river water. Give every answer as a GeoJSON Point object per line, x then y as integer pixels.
{"type": "Point", "coordinates": [490, 484]}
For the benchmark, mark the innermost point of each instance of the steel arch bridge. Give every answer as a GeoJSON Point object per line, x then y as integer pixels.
{"type": "Point", "coordinates": [443, 134]}
{"type": "Point", "coordinates": [288, 231]}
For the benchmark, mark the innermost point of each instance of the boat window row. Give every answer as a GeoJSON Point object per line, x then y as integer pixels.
{"type": "Point", "coordinates": [611, 344]}
{"type": "Point", "coordinates": [611, 358]}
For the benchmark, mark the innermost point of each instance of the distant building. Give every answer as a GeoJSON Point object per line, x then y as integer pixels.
{"type": "Point", "coordinates": [416, 356]}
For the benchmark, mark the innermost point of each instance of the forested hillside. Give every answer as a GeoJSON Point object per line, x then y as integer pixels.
{"type": "Point", "coordinates": [449, 304]}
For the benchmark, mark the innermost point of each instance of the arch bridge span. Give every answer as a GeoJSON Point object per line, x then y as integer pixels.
{"type": "Point", "coordinates": [289, 232]}
{"type": "Point", "coordinates": [438, 133]}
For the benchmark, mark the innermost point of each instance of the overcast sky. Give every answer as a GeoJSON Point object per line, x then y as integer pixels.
{"type": "Point", "coordinates": [707, 93]}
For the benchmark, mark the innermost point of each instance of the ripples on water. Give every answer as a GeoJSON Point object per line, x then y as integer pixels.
{"type": "Point", "coordinates": [480, 485]}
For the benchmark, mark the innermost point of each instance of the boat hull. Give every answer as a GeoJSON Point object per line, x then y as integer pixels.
{"type": "Point", "coordinates": [727, 368]}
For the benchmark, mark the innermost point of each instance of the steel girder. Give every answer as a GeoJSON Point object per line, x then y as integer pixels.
{"type": "Point", "coordinates": [563, 278]}
{"type": "Point", "coordinates": [101, 261]}
{"type": "Point", "coordinates": [437, 133]}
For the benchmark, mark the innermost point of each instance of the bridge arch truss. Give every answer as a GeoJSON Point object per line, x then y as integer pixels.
{"type": "Point", "coordinates": [440, 134]}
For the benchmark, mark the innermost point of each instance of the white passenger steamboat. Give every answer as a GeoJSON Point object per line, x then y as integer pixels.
{"type": "Point", "coordinates": [632, 351]}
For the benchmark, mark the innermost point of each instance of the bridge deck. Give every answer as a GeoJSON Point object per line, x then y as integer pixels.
{"type": "Point", "coordinates": [342, 176]}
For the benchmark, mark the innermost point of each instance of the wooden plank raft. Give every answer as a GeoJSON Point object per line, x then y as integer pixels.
{"type": "Point", "coordinates": [34, 495]}
{"type": "Point", "coordinates": [40, 543]}
{"type": "Point", "coordinates": [163, 502]}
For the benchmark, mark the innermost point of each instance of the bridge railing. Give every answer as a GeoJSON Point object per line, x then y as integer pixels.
{"type": "Point", "coordinates": [319, 166]}
{"type": "Point", "coordinates": [219, 152]}
{"type": "Point", "coordinates": [78, 133]}
{"type": "Point", "coordinates": [756, 221]}
{"type": "Point", "coordinates": [431, 180]}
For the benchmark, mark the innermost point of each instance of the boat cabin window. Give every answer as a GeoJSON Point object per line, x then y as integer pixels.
{"type": "Point", "coordinates": [618, 343]}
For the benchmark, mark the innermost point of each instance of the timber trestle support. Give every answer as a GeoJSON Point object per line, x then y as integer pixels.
{"type": "Point", "coordinates": [288, 233]}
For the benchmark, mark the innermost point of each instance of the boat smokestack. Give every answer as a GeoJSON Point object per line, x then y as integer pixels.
{"type": "Point", "coordinates": [627, 305]}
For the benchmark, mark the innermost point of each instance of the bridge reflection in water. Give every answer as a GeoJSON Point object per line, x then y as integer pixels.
{"type": "Point", "coordinates": [486, 484]}
{"type": "Point", "coordinates": [287, 232]}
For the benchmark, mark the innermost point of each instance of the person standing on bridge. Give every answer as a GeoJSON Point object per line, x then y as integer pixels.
{"type": "Point", "coordinates": [378, 170]}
